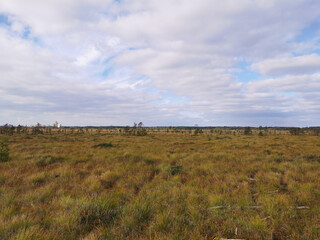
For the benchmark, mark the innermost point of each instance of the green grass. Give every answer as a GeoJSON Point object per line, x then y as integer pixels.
{"type": "Point", "coordinates": [165, 185]}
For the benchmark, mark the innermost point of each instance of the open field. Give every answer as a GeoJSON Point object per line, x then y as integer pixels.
{"type": "Point", "coordinates": [165, 185]}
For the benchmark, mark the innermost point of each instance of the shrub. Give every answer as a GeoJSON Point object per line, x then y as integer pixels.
{"type": "Point", "coordinates": [197, 131]}
{"type": "Point", "coordinates": [247, 131]}
{"type": "Point", "coordinates": [103, 145]}
{"type": "Point", "coordinates": [7, 129]}
{"type": "Point", "coordinates": [4, 151]}
{"type": "Point", "coordinates": [136, 130]}
{"type": "Point", "coordinates": [296, 131]}
{"type": "Point", "coordinates": [316, 131]}
{"type": "Point", "coordinates": [36, 130]}
{"type": "Point", "coordinates": [141, 132]}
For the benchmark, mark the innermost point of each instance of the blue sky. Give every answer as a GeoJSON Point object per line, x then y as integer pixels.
{"type": "Point", "coordinates": [206, 62]}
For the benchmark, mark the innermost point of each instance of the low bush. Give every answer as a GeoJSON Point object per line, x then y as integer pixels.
{"type": "Point", "coordinates": [103, 145]}
{"type": "Point", "coordinates": [247, 131]}
{"type": "Point", "coordinates": [4, 151]}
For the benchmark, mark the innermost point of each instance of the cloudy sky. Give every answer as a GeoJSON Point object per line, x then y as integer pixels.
{"type": "Point", "coordinates": [168, 62]}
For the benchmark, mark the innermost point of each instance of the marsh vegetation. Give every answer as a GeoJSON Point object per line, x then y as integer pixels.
{"type": "Point", "coordinates": [166, 184]}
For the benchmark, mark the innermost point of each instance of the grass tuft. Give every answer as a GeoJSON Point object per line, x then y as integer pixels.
{"type": "Point", "coordinates": [103, 145]}
{"type": "Point", "coordinates": [96, 212]}
{"type": "Point", "coordinates": [49, 159]}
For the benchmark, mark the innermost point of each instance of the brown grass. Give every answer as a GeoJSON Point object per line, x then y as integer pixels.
{"type": "Point", "coordinates": [165, 185]}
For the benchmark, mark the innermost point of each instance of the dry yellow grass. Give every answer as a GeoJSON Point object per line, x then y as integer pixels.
{"type": "Point", "coordinates": [166, 185]}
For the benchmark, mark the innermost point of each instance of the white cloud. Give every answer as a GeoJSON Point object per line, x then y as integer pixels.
{"type": "Point", "coordinates": [18, 27]}
{"type": "Point", "coordinates": [91, 55]}
{"type": "Point", "coordinates": [301, 83]}
{"type": "Point", "coordinates": [163, 61]}
{"type": "Point", "coordinates": [307, 64]}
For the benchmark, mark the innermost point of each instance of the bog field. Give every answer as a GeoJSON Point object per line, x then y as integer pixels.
{"type": "Point", "coordinates": [159, 184]}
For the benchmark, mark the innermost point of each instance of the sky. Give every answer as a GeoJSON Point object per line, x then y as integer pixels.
{"type": "Point", "coordinates": [165, 63]}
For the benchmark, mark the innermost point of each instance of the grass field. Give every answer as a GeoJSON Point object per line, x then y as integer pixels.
{"type": "Point", "coordinates": [165, 185]}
